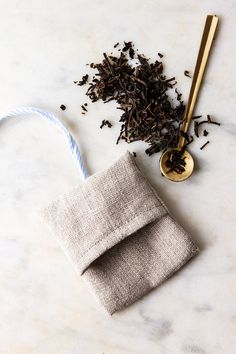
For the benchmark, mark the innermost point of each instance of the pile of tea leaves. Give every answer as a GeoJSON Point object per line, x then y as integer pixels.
{"type": "Point", "coordinates": [141, 91]}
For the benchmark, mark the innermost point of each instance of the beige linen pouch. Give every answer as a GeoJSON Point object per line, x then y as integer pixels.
{"type": "Point", "coordinates": [119, 234]}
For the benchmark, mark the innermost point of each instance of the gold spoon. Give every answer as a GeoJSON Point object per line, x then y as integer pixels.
{"type": "Point", "coordinates": [203, 54]}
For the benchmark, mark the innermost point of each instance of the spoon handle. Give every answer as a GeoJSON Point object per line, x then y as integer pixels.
{"type": "Point", "coordinates": [203, 54]}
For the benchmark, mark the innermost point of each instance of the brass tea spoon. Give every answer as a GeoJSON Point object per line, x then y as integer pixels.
{"type": "Point", "coordinates": [203, 54]}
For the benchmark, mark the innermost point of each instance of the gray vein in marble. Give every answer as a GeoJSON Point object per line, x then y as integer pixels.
{"type": "Point", "coordinates": [194, 348]}
{"type": "Point", "coordinates": [203, 308]}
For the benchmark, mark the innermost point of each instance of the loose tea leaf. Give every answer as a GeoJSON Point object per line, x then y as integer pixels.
{"type": "Point", "coordinates": [203, 146]}
{"type": "Point", "coordinates": [63, 107]}
{"type": "Point", "coordinates": [208, 121]}
{"type": "Point", "coordinates": [196, 124]}
{"type": "Point", "coordinates": [205, 132]}
{"type": "Point", "coordinates": [105, 122]}
{"type": "Point", "coordinates": [186, 136]}
{"type": "Point", "coordinates": [176, 162]}
{"type": "Point", "coordinates": [83, 81]}
{"type": "Point", "coordinates": [188, 142]}
{"type": "Point", "coordinates": [179, 95]}
{"type": "Point", "coordinates": [186, 73]}
{"type": "Point", "coordinates": [84, 108]}
{"type": "Point", "coordinates": [141, 93]}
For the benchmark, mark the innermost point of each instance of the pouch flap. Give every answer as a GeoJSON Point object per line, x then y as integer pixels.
{"type": "Point", "coordinates": [102, 211]}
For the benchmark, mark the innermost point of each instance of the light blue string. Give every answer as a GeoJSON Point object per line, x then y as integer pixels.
{"type": "Point", "coordinates": [54, 120]}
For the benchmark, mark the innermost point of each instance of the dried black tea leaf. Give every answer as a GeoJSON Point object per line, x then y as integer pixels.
{"type": "Point", "coordinates": [196, 124]}
{"type": "Point", "coordinates": [84, 108]}
{"type": "Point", "coordinates": [105, 122]}
{"type": "Point", "coordinates": [127, 46]}
{"type": "Point", "coordinates": [186, 136]}
{"type": "Point", "coordinates": [176, 162]}
{"type": "Point", "coordinates": [210, 121]}
{"type": "Point", "coordinates": [134, 154]}
{"type": "Point", "coordinates": [63, 107]}
{"type": "Point", "coordinates": [160, 55]}
{"type": "Point", "coordinates": [204, 145]}
{"type": "Point", "coordinates": [189, 142]}
{"type": "Point", "coordinates": [186, 73]}
{"type": "Point", "coordinates": [179, 95]}
{"type": "Point", "coordinates": [205, 132]}
{"type": "Point", "coordinates": [131, 53]}
{"type": "Point", "coordinates": [83, 81]}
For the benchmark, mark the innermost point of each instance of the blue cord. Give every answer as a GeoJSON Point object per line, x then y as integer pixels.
{"type": "Point", "coordinates": [54, 120]}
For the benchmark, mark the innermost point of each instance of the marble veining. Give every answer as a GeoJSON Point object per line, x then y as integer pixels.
{"type": "Point", "coordinates": [45, 308]}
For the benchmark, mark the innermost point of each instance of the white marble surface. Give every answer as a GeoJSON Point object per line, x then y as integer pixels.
{"type": "Point", "coordinates": [44, 307]}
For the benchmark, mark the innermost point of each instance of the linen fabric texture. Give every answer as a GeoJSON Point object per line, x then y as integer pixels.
{"type": "Point", "coordinates": [119, 234]}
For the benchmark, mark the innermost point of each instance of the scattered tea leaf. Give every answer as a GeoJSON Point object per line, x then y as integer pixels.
{"type": "Point", "coordinates": [105, 122]}
{"type": "Point", "coordinates": [203, 146]}
{"type": "Point", "coordinates": [84, 108]}
{"type": "Point", "coordinates": [186, 73]}
{"type": "Point", "coordinates": [63, 107]}
{"type": "Point", "coordinates": [127, 46]}
{"type": "Point", "coordinates": [131, 53]}
{"type": "Point", "coordinates": [179, 95]}
{"type": "Point", "coordinates": [83, 81]}
{"type": "Point", "coordinates": [196, 125]}
{"type": "Point", "coordinates": [210, 121]}
{"type": "Point", "coordinates": [186, 136]}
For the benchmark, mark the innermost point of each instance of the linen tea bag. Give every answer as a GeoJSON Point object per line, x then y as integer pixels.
{"type": "Point", "coordinates": [115, 229]}
{"type": "Point", "coordinates": [119, 234]}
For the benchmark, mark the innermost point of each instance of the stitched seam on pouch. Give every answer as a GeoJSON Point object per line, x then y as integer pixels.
{"type": "Point", "coordinates": [117, 228]}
